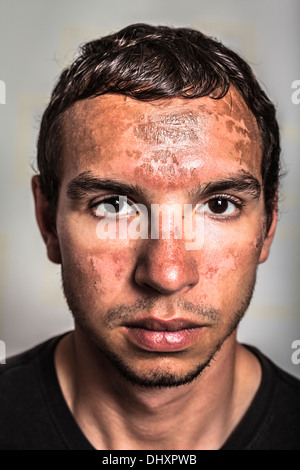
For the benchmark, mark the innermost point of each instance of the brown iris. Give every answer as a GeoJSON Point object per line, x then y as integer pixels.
{"type": "Point", "coordinates": [218, 205]}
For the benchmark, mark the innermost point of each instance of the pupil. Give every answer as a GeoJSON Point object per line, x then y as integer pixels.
{"type": "Point", "coordinates": [218, 206]}
{"type": "Point", "coordinates": [112, 202]}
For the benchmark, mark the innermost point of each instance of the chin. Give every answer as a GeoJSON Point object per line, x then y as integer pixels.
{"type": "Point", "coordinates": [156, 377]}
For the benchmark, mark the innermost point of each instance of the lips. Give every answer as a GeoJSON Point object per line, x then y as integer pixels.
{"type": "Point", "coordinates": [156, 335]}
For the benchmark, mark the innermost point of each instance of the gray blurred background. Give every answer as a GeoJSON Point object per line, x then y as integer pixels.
{"type": "Point", "coordinates": [37, 39]}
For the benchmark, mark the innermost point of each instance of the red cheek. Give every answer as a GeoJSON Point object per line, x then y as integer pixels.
{"type": "Point", "coordinates": [211, 272]}
{"type": "Point", "coordinates": [107, 267]}
{"type": "Point", "coordinates": [225, 264]}
{"type": "Point", "coordinates": [118, 266]}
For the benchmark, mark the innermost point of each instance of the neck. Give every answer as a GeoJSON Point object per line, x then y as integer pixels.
{"type": "Point", "coordinates": [115, 414]}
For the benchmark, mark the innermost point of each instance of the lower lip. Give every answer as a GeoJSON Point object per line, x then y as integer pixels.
{"type": "Point", "coordinates": [163, 341]}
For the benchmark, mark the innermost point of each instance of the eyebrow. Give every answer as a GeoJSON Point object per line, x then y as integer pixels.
{"type": "Point", "coordinates": [85, 185]}
{"type": "Point", "coordinates": [244, 183]}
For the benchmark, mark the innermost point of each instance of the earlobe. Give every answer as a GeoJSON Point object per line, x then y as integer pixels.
{"type": "Point", "coordinates": [43, 217]}
{"type": "Point", "coordinates": [269, 238]}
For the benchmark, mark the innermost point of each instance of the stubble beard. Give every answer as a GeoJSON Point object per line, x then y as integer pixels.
{"type": "Point", "coordinates": [154, 378]}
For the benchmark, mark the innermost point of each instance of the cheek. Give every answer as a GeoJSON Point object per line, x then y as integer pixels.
{"type": "Point", "coordinates": [227, 263]}
{"type": "Point", "coordinates": [109, 267]}
{"type": "Point", "coordinates": [97, 265]}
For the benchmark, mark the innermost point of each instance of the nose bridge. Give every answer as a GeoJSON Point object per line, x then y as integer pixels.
{"type": "Point", "coordinates": [166, 266]}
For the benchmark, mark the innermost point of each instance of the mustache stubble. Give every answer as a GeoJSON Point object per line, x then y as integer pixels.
{"type": "Point", "coordinates": [125, 313]}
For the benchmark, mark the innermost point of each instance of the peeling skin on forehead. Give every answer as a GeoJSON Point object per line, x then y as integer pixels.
{"type": "Point", "coordinates": [168, 128]}
{"type": "Point", "coordinates": [235, 114]}
{"type": "Point", "coordinates": [233, 107]}
{"type": "Point", "coordinates": [166, 163]}
{"type": "Point", "coordinates": [232, 113]}
{"type": "Point", "coordinates": [170, 139]}
{"type": "Point", "coordinates": [226, 119]}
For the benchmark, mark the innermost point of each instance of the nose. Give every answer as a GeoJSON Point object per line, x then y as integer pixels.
{"type": "Point", "coordinates": [166, 267]}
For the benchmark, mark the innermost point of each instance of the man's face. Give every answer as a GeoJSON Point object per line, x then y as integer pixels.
{"type": "Point", "coordinates": [157, 310]}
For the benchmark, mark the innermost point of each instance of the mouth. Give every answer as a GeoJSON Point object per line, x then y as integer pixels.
{"type": "Point", "coordinates": [156, 335]}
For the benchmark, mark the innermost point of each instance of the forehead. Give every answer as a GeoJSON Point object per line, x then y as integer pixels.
{"type": "Point", "coordinates": [171, 140]}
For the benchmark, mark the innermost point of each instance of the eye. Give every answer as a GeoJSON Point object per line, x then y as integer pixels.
{"type": "Point", "coordinates": [222, 206]}
{"type": "Point", "coordinates": [114, 206]}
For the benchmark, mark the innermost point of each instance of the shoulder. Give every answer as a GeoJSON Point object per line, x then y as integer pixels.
{"type": "Point", "coordinates": [22, 401]}
{"type": "Point", "coordinates": [287, 380]}
{"type": "Point", "coordinates": [21, 367]}
{"type": "Point", "coordinates": [280, 407]}
{"type": "Point", "coordinates": [272, 421]}
{"type": "Point", "coordinates": [282, 380]}
{"type": "Point", "coordinates": [18, 366]}
{"type": "Point", "coordinates": [287, 394]}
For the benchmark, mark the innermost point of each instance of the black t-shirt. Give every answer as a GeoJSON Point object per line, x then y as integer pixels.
{"type": "Point", "coordinates": [35, 416]}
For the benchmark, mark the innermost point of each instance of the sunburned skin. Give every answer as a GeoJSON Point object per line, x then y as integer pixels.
{"type": "Point", "coordinates": [164, 162]}
{"type": "Point", "coordinates": [176, 127]}
{"type": "Point", "coordinates": [239, 121]}
{"type": "Point", "coordinates": [176, 151]}
{"type": "Point", "coordinates": [170, 131]}
{"type": "Point", "coordinates": [165, 137]}
{"type": "Point", "coordinates": [171, 151]}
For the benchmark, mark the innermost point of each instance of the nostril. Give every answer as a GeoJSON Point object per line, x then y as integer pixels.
{"type": "Point", "coordinates": [166, 274]}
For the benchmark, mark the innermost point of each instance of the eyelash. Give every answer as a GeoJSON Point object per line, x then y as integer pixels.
{"type": "Point", "coordinates": [228, 197]}
{"type": "Point", "coordinates": [93, 205]}
{"type": "Point", "coordinates": [234, 200]}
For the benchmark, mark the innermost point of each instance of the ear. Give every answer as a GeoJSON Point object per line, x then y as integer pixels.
{"type": "Point", "coordinates": [269, 238]}
{"type": "Point", "coordinates": [43, 217]}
